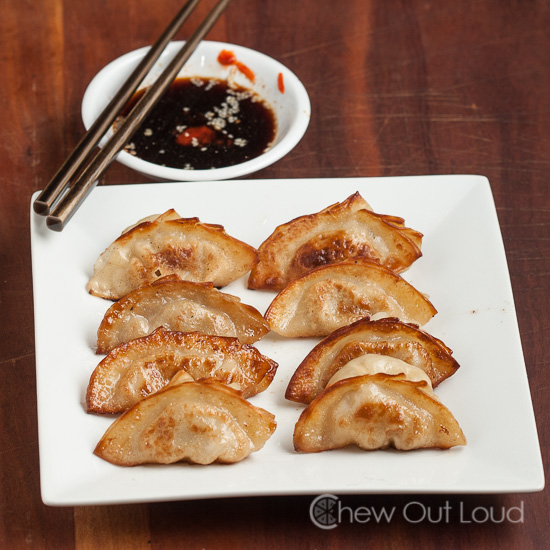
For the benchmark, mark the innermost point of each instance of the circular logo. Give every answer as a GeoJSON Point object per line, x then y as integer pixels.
{"type": "Point", "coordinates": [323, 512]}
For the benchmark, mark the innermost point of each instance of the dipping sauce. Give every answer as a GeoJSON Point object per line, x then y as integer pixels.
{"type": "Point", "coordinates": [203, 123]}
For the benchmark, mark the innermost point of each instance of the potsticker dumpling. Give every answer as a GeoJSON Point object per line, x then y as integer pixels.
{"type": "Point", "coordinates": [168, 244]}
{"type": "Point", "coordinates": [180, 306]}
{"type": "Point", "coordinates": [199, 422]}
{"type": "Point", "coordinates": [145, 365]}
{"type": "Point", "coordinates": [336, 295]}
{"type": "Point", "coordinates": [342, 231]}
{"type": "Point", "coordinates": [375, 412]}
{"type": "Point", "coordinates": [387, 336]}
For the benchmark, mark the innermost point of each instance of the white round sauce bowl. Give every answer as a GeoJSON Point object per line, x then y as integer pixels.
{"type": "Point", "coordinates": [290, 103]}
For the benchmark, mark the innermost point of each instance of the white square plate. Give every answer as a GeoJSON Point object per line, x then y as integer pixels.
{"type": "Point", "coordinates": [463, 270]}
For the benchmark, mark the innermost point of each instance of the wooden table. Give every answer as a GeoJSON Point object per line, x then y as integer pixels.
{"type": "Point", "coordinates": [397, 88]}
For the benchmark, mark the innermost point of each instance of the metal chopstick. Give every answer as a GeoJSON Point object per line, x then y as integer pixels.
{"type": "Point", "coordinates": [91, 138]}
{"type": "Point", "coordinates": [61, 212]}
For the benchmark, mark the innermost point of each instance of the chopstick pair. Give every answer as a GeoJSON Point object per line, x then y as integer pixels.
{"type": "Point", "coordinates": [60, 198]}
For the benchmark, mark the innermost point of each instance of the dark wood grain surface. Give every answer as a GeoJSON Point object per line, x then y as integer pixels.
{"type": "Point", "coordinates": [397, 88]}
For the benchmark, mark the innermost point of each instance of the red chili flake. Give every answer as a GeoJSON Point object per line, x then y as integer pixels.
{"type": "Point", "coordinates": [197, 135]}
{"type": "Point", "coordinates": [246, 71]}
{"type": "Point", "coordinates": [281, 83]}
{"type": "Point", "coordinates": [225, 57]}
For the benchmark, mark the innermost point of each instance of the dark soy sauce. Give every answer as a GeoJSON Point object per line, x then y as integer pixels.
{"type": "Point", "coordinates": [203, 123]}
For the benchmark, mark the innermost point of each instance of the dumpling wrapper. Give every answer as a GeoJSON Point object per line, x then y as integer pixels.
{"type": "Point", "coordinates": [387, 336]}
{"type": "Point", "coordinates": [376, 412]}
{"type": "Point", "coordinates": [198, 422]}
{"type": "Point", "coordinates": [168, 244]}
{"type": "Point", "coordinates": [145, 365]}
{"type": "Point", "coordinates": [372, 363]}
{"type": "Point", "coordinates": [336, 295]}
{"type": "Point", "coordinates": [179, 306]}
{"type": "Point", "coordinates": [181, 376]}
{"type": "Point", "coordinates": [342, 231]}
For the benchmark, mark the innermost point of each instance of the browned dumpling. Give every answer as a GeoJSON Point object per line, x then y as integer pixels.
{"type": "Point", "coordinates": [199, 422]}
{"type": "Point", "coordinates": [145, 365]}
{"type": "Point", "coordinates": [336, 295]}
{"type": "Point", "coordinates": [181, 306]}
{"type": "Point", "coordinates": [165, 245]}
{"type": "Point", "coordinates": [384, 337]}
{"type": "Point", "coordinates": [342, 231]}
{"type": "Point", "coordinates": [375, 412]}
